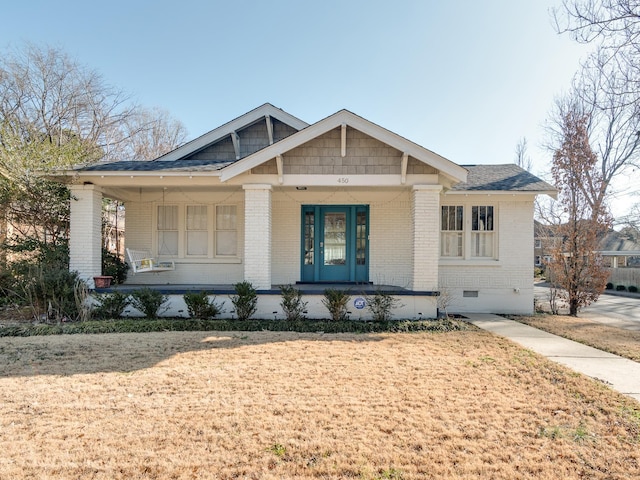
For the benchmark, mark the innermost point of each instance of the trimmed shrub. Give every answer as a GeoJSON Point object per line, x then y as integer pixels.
{"type": "Point", "coordinates": [150, 302]}
{"type": "Point", "coordinates": [245, 301]}
{"type": "Point", "coordinates": [381, 305]}
{"type": "Point", "coordinates": [609, 286]}
{"type": "Point", "coordinates": [336, 302]}
{"type": "Point", "coordinates": [621, 288]}
{"type": "Point", "coordinates": [111, 305]}
{"type": "Point", "coordinates": [292, 305]}
{"type": "Point", "coordinates": [633, 289]}
{"type": "Point", "coordinates": [200, 306]}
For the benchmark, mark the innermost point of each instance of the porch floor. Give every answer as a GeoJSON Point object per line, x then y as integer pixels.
{"type": "Point", "coordinates": [305, 289]}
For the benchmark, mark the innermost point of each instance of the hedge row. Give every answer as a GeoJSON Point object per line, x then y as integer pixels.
{"type": "Point", "coordinates": [188, 324]}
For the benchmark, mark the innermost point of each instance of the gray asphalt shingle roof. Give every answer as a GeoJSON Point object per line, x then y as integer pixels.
{"type": "Point", "coordinates": [507, 177]}
{"type": "Point", "coordinates": [159, 166]}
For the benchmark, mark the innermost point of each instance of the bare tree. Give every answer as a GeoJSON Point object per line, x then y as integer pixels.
{"type": "Point", "coordinates": [576, 267]}
{"type": "Point", "coordinates": [613, 23]}
{"type": "Point", "coordinates": [614, 27]}
{"type": "Point", "coordinates": [47, 96]}
{"type": "Point", "coordinates": [523, 159]}
{"type": "Point", "coordinates": [612, 123]}
{"type": "Point", "coordinates": [55, 113]}
{"type": "Point", "coordinates": [153, 132]}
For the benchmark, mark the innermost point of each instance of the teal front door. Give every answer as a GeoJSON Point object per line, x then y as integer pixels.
{"type": "Point", "coordinates": [335, 243]}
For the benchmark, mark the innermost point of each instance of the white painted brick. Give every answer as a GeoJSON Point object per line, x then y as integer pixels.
{"type": "Point", "coordinates": [85, 235]}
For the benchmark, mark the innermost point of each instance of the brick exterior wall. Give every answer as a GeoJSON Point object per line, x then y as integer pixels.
{"type": "Point", "coordinates": [140, 233]}
{"type": "Point", "coordinates": [503, 285]}
{"type": "Point", "coordinates": [390, 245]}
{"type": "Point", "coordinates": [85, 235]}
{"type": "Point", "coordinates": [425, 208]}
{"type": "Point", "coordinates": [257, 244]}
{"type": "Point", "coordinates": [394, 242]}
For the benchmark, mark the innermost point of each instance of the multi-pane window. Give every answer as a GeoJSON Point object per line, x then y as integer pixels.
{"type": "Point", "coordinates": [482, 231]}
{"type": "Point", "coordinates": [197, 225]}
{"type": "Point", "coordinates": [167, 230]}
{"type": "Point", "coordinates": [451, 230]}
{"type": "Point", "coordinates": [467, 232]}
{"type": "Point", "coordinates": [197, 230]}
{"type": "Point", "coordinates": [226, 230]}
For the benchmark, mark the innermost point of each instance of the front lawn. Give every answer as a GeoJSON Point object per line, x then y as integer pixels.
{"type": "Point", "coordinates": [269, 405]}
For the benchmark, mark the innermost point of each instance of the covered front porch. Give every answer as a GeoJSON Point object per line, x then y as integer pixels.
{"type": "Point", "coordinates": [275, 235]}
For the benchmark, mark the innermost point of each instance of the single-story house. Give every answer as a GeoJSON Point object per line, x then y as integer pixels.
{"type": "Point", "coordinates": [343, 202]}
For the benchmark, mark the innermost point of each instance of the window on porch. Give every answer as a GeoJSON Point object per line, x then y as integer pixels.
{"type": "Point", "coordinates": [205, 231]}
{"type": "Point", "coordinates": [197, 230]}
{"type": "Point", "coordinates": [226, 230]}
{"type": "Point", "coordinates": [167, 230]}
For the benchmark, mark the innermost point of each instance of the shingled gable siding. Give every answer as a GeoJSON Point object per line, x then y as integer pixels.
{"type": "Point", "coordinates": [85, 236]}
{"type": "Point", "coordinates": [496, 281]}
{"type": "Point", "coordinates": [322, 155]}
{"type": "Point", "coordinates": [252, 139]}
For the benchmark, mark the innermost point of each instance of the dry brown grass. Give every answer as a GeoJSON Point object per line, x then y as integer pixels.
{"type": "Point", "coordinates": [285, 405]}
{"type": "Point", "coordinates": [615, 340]}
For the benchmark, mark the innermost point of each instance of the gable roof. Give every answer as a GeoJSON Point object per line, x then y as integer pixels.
{"type": "Point", "coordinates": [243, 121]}
{"type": "Point", "coordinates": [503, 178]}
{"type": "Point", "coordinates": [614, 243]}
{"type": "Point", "coordinates": [193, 158]}
{"type": "Point", "coordinates": [345, 117]}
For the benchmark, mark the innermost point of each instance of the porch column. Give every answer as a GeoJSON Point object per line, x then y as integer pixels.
{"type": "Point", "coordinates": [425, 213]}
{"type": "Point", "coordinates": [85, 232]}
{"type": "Point", "coordinates": [257, 235]}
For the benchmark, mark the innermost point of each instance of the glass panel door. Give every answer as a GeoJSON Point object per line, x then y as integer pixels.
{"type": "Point", "coordinates": [334, 245]}
{"type": "Point", "coordinates": [335, 238]}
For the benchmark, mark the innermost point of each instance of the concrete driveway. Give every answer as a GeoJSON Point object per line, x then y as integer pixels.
{"type": "Point", "coordinates": [617, 309]}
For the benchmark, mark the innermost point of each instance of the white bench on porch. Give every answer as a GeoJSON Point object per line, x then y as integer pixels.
{"type": "Point", "coordinates": [141, 262]}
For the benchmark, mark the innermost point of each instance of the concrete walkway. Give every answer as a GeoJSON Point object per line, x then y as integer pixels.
{"type": "Point", "coordinates": [619, 373]}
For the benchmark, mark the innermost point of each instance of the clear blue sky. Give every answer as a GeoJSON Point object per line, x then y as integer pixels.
{"type": "Point", "coordinates": [466, 79]}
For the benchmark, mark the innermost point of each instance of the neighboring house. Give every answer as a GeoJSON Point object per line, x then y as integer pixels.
{"type": "Point", "coordinates": [343, 202]}
{"type": "Point", "coordinates": [619, 251]}
{"type": "Point", "coordinates": [616, 249]}
{"type": "Point", "coordinates": [543, 243]}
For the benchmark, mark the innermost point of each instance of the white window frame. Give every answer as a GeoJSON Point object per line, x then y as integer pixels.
{"type": "Point", "coordinates": [225, 230]}
{"type": "Point", "coordinates": [468, 233]}
{"type": "Point", "coordinates": [159, 243]}
{"type": "Point", "coordinates": [183, 231]}
{"type": "Point", "coordinates": [482, 231]}
{"type": "Point", "coordinates": [206, 230]}
{"type": "Point", "coordinates": [454, 235]}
